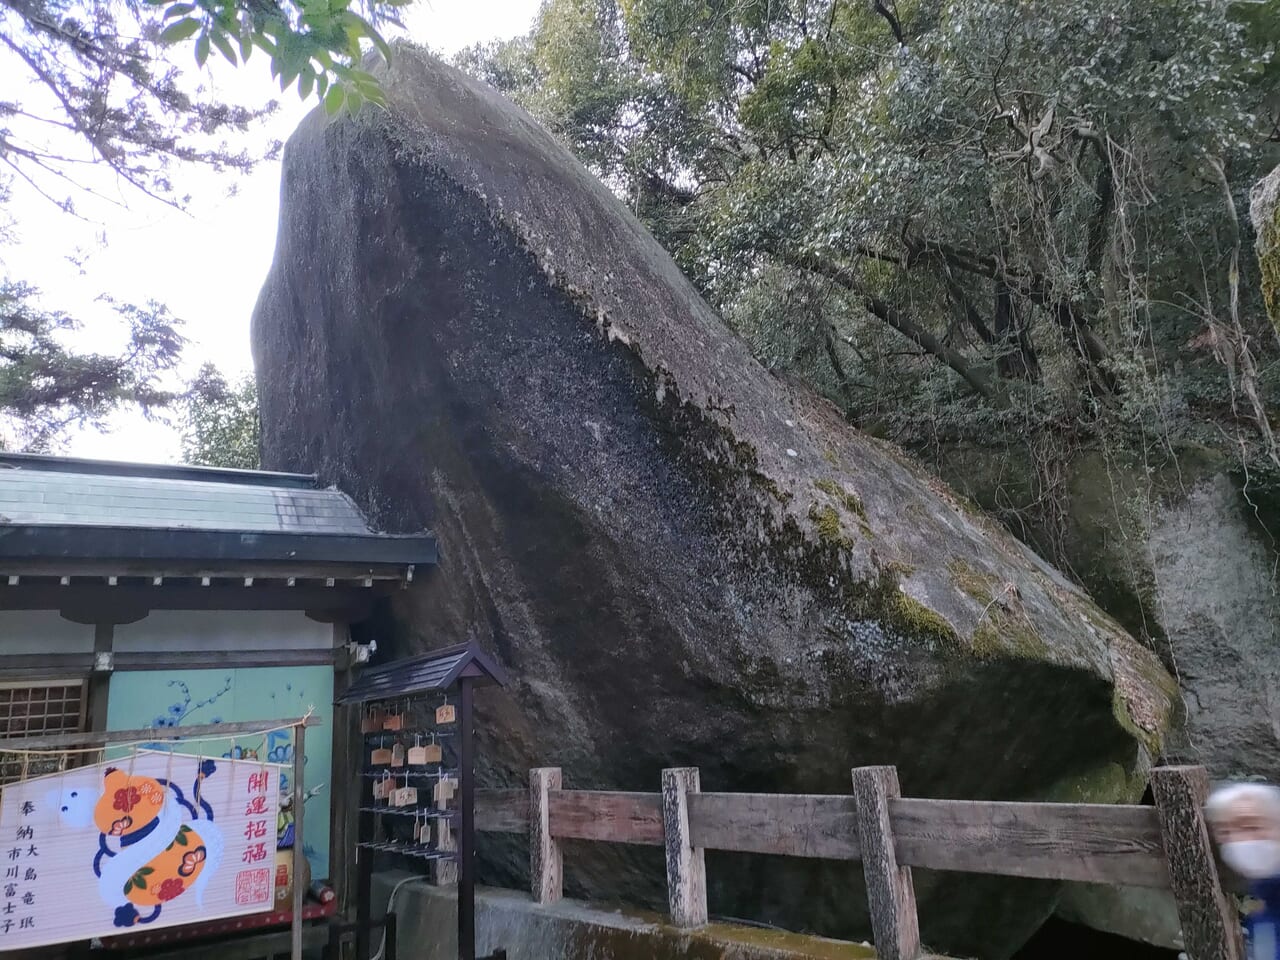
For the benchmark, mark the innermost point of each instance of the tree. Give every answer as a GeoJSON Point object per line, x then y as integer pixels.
{"type": "Point", "coordinates": [46, 388]}
{"type": "Point", "coordinates": [965, 221]}
{"type": "Point", "coordinates": [220, 426]}
{"type": "Point", "coordinates": [103, 77]}
{"type": "Point", "coordinates": [92, 86]}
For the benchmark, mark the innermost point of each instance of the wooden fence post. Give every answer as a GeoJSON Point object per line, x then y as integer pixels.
{"type": "Point", "coordinates": [1210, 927]}
{"type": "Point", "coordinates": [890, 891]}
{"type": "Point", "coordinates": [546, 865]}
{"type": "Point", "coordinates": [686, 864]}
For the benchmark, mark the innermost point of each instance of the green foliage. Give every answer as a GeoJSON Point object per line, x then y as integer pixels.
{"type": "Point", "coordinates": [220, 426]}
{"type": "Point", "coordinates": [138, 880]}
{"type": "Point", "coordinates": [96, 73]}
{"type": "Point", "coordinates": [46, 388]}
{"type": "Point", "coordinates": [313, 42]}
{"type": "Point", "coordinates": [1005, 224]}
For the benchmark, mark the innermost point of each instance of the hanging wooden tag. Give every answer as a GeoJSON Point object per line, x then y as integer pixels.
{"type": "Point", "coordinates": [428, 753]}
{"type": "Point", "coordinates": [444, 791]}
{"type": "Point", "coordinates": [418, 756]}
{"type": "Point", "coordinates": [381, 757]}
{"type": "Point", "coordinates": [371, 722]}
{"type": "Point", "coordinates": [406, 797]}
{"type": "Point", "coordinates": [446, 713]}
{"type": "Point", "coordinates": [397, 755]}
{"type": "Point", "coordinates": [380, 788]}
{"type": "Point", "coordinates": [393, 721]}
{"type": "Point", "coordinates": [417, 830]}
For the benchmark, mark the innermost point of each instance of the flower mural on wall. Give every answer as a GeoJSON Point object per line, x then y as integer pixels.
{"type": "Point", "coordinates": [180, 710]}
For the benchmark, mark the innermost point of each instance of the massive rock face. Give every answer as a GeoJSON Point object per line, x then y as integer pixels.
{"type": "Point", "coordinates": [1180, 550]}
{"type": "Point", "coordinates": [681, 559]}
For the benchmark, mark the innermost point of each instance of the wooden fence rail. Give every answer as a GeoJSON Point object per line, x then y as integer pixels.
{"type": "Point", "coordinates": [1166, 846]}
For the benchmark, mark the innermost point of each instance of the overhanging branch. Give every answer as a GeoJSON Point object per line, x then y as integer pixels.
{"type": "Point", "coordinates": [886, 312]}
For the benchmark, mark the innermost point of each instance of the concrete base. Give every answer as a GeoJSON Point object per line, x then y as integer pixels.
{"type": "Point", "coordinates": [509, 920]}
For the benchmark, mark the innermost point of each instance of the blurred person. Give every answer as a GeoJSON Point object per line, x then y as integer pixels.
{"type": "Point", "coordinates": [1245, 818]}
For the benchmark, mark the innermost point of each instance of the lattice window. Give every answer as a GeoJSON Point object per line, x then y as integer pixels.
{"type": "Point", "coordinates": [30, 709]}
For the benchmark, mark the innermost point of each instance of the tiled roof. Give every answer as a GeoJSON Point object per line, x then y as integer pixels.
{"type": "Point", "coordinates": [37, 498]}
{"type": "Point", "coordinates": [95, 518]}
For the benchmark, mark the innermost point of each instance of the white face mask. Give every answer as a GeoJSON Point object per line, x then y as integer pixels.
{"type": "Point", "coordinates": [1254, 859]}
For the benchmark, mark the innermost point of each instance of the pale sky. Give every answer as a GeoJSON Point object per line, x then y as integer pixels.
{"type": "Point", "coordinates": [207, 265]}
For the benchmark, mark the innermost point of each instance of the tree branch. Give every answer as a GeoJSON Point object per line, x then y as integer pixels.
{"type": "Point", "coordinates": [1075, 328]}
{"type": "Point", "coordinates": [74, 116]}
{"type": "Point", "coordinates": [884, 311]}
{"type": "Point", "coordinates": [878, 7]}
{"type": "Point", "coordinates": [969, 312]}
{"type": "Point", "coordinates": [1104, 186]}
{"type": "Point", "coordinates": [833, 356]}
{"type": "Point", "coordinates": [1015, 358]}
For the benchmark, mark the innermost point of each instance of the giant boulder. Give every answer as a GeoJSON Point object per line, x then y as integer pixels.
{"type": "Point", "coordinates": [682, 559]}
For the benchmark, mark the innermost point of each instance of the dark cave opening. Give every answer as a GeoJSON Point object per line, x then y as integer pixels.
{"type": "Point", "coordinates": [1060, 940]}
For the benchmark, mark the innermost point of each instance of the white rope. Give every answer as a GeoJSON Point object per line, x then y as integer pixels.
{"type": "Point", "coordinates": [133, 745]}
{"type": "Point", "coordinates": [391, 902]}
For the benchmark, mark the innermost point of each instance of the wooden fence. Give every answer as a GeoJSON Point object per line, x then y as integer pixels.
{"type": "Point", "coordinates": [1166, 846]}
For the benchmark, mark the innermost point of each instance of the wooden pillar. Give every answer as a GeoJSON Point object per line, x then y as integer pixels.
{"type": "Point", "coordinates": [1210, 927]}
{"type": "Point", "coordinates": [346, 792]}
{"type": "Point", "coordinates": [299, 856]}
{"type": "Point", "coordinates": [99, 681]}
{"type": "Point", "coordinates": [890, 891]}
{"type": "Point", "coordinates": [389, 925]}
{"type": "Point", "coordinates": [467, 827]}
{"type": "Point", "coordinates": [686, 864]}
{"type": "Point", "coordinates": [364, 887]}
{"type": "Point", "coordinates": [546, 865]}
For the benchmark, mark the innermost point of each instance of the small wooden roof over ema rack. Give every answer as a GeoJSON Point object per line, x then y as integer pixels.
{"type": "Point", "coordinates": [107, 542]}
{"type": "Point", "coordinates": [434, 671]}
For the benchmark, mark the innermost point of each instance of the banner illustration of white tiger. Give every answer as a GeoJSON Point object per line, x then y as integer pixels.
{"type": "Point", "coordinates": [153, 839]}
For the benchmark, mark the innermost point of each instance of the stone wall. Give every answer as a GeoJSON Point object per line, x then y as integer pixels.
{"type": "Point", "coordinates": [570, 930]}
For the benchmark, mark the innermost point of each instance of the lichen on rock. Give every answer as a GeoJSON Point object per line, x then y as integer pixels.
{"type": "Point", "coordinates": [1264, 210]}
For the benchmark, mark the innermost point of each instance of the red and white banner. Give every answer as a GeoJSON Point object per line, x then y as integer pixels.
{"type": "Point", "coordinates": [149, 840]}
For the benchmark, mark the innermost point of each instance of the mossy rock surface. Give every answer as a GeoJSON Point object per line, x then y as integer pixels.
{"type": "Point", "coordinates": [1265, 212]}
{"type": "Point", "coordinates": [681, 559]}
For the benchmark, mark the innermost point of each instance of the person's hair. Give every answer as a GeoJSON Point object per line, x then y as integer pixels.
{"type": "Point", "coordinates": [1224, 798]}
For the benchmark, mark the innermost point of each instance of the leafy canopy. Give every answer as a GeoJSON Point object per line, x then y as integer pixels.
{"type": "Point", "coordinates": [102, 74]}
{"type": "Point", "coordinates": [46, 388]}
{"type": "Point", "coordinates": [220, 425]}
{"type": "Point", "coordinates": [1011, 226]}
{"type": "Point", "coordinates": [316, 43]}
{"type": "Point", "coordinates": [967, 219]}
